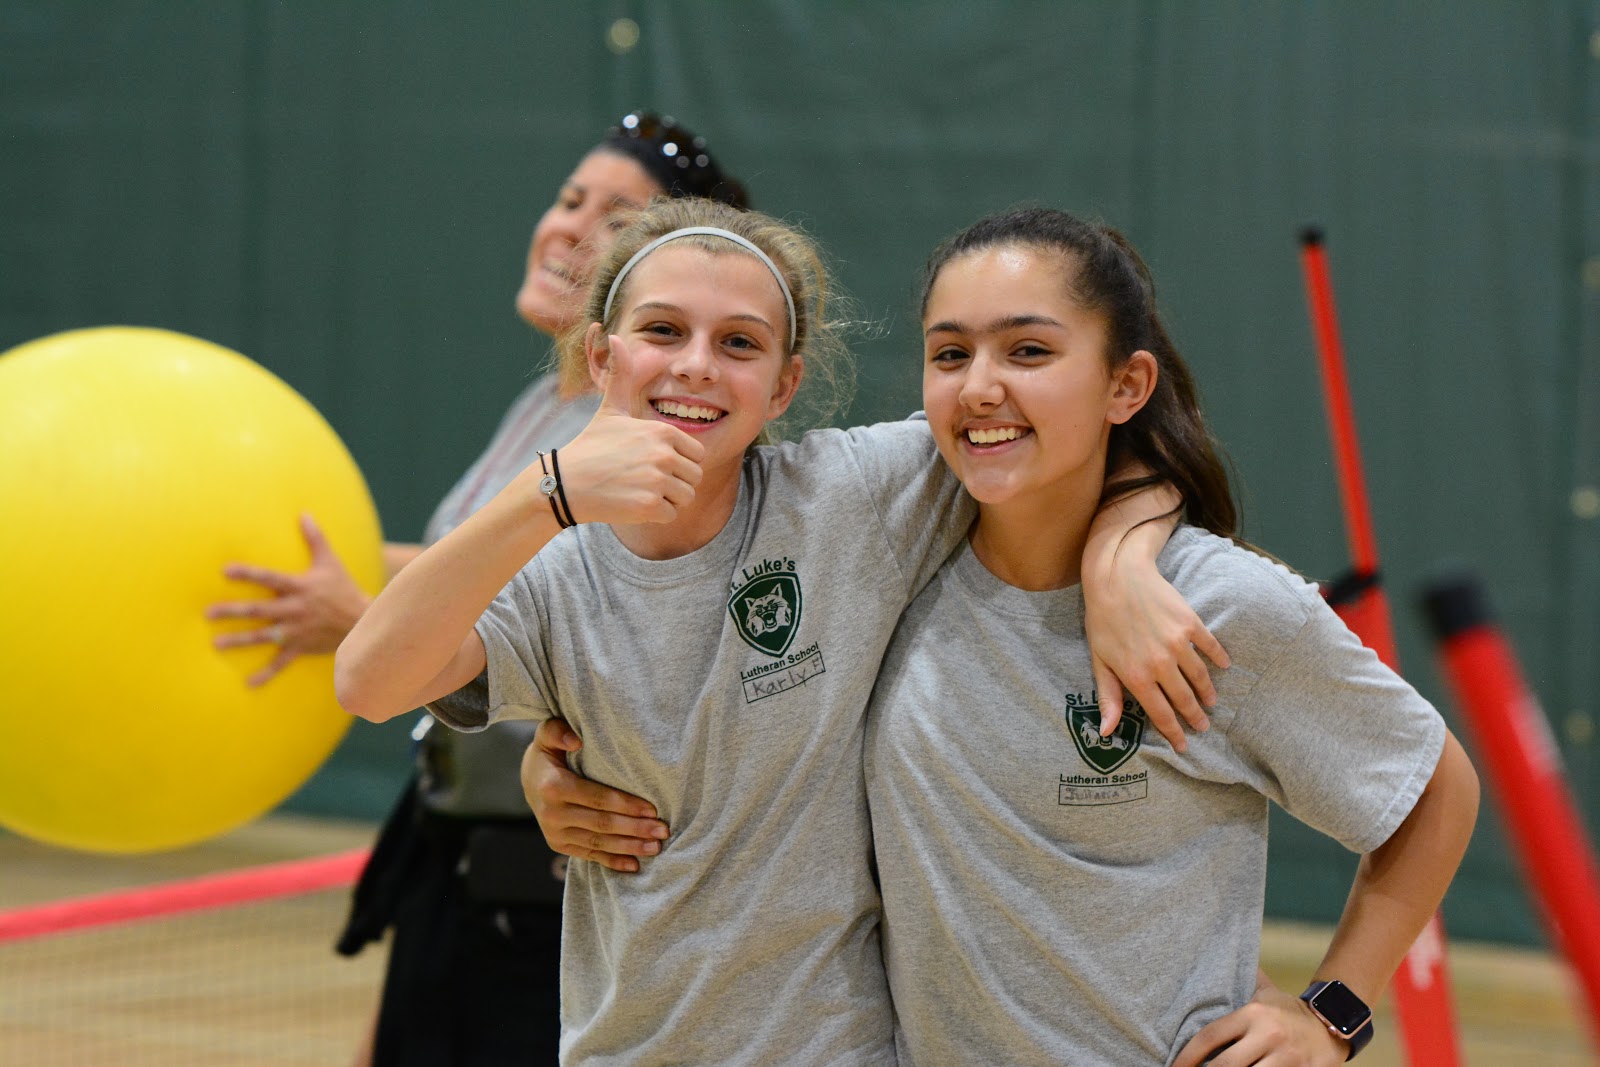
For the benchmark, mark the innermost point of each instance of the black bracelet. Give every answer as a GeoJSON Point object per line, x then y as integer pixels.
{"type": "Point", "coordinates": [561, 490]}
{"type": "Point", "coordinates": [549, 485]}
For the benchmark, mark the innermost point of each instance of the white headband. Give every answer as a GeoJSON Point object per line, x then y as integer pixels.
{"type": "Point", "coordinates": [711, 231]}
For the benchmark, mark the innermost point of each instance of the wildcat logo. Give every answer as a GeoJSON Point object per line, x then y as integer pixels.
{"type": "Point", "coordinates": [766, 608]}
{"type": "Point", "coordinates": [770, 612]}
{"type": "Point", "coordinates": [1104, 754]}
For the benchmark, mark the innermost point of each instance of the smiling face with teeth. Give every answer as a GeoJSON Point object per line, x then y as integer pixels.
{"type": "Point", "coordinates": [574, 233]}
{"type": "Point", "coordinates": [1016, 380]}
{"type": "Point", "coordinates": [706, 335]}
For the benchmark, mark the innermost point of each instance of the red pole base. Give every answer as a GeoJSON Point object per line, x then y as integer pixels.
{"type": "Point", "coordinates": [1513, 742]}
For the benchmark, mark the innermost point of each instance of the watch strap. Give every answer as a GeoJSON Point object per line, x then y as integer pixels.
{"type": "Point", "coordinates": [1357, 1040]}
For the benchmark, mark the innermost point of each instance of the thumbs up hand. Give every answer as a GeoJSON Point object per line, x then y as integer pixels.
{"type": "Point", "coordinates": [623, 392]}
{"type": "Point", "coordinates": [626, 467]}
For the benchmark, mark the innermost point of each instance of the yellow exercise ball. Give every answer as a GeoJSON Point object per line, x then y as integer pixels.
{"type": "Point", "coordinates": [134, 464]}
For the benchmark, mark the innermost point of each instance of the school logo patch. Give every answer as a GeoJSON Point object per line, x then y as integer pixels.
{"type": "Point", "coordinates": [766, 607]}
{"type": "Point", "coordinates": [1104, 754]}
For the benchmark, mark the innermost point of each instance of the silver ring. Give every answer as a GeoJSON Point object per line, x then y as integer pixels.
{"type": "Point", "coordinates": [274, 634]}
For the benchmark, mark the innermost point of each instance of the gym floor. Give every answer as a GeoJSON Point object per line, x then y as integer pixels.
{"type": "Point", "coordinates": [259, 986]}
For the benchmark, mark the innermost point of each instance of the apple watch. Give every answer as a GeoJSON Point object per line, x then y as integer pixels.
{"type": "Point", "coordinates": [1344, 1013]}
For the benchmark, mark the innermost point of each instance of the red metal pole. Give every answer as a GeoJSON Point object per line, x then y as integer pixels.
{"type": "Point", "coordinates": [1513, 742]}
{"type": "Point", "coordinates": [1368, 614]}
{"type": "Point", "coordinates": [1422, 985]}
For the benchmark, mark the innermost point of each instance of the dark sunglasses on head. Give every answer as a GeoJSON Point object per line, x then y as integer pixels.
{"type": "Point", "coordinates": [675, 157]}
{"type": "Point", "coordinates": [678, 147]}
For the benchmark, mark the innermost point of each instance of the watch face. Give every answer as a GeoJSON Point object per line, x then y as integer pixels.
{"type": "Point", "coordinates": [1343, 1010]}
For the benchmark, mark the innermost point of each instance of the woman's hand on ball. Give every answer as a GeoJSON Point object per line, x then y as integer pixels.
{"type": "Point", "coordinates": [309, 613]}
{"type": "Point", "coordinates": [626, 467]}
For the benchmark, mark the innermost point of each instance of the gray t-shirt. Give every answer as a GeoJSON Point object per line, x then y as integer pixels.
{"type": "Point", "coordinates": [729, 687]}
{"type": "Point", "coordinates": [1052, 897]}
{"type": "Point", "coordinates": [477, 775]}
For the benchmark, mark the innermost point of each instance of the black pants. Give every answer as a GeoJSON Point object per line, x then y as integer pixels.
{"type": "Point", "coordinates": [472, 980]}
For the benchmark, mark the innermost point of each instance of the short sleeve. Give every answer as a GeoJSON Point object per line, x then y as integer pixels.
{"type": "Point", "coordinates": [517, 682]}
{"type": "Point", "coordinates": [924, 512]}
{"type": "Point", "coordinates": [1338, 739]}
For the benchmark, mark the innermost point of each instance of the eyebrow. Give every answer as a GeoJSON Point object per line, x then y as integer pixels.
{"type": "Point", "coordinates": [581, 190]}
{"type": "Point", "coordinates": [1010, 322]}
{"type": "Point", "coordinates": [661, 305]}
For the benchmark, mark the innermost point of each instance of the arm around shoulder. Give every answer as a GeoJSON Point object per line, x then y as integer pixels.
{"type": "Point", "coordinates": [1142, 633]}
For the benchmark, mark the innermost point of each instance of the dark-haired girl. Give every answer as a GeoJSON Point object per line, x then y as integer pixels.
{"type": "Point", "coordinates": [1057, 894]}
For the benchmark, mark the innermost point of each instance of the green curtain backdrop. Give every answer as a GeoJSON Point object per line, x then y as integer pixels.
{"type": "Point", "coordinates": [344, 192]}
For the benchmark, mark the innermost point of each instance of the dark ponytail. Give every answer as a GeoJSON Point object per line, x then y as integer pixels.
{"type": "Point", "coordinates": [1168, 436]}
